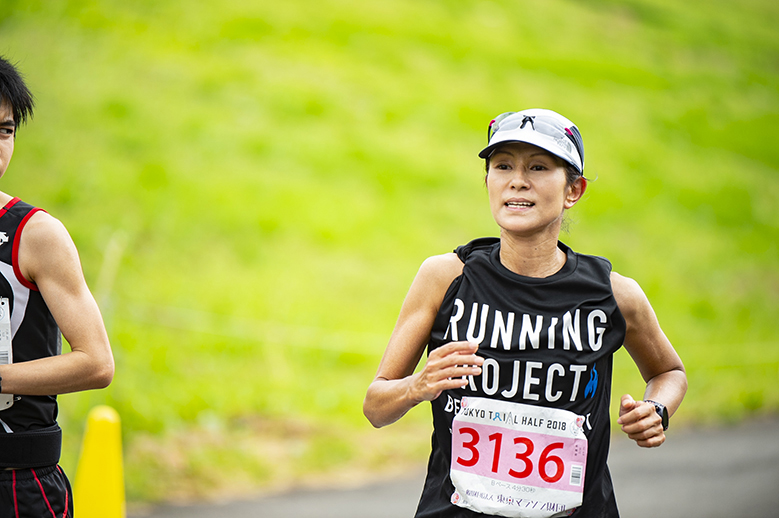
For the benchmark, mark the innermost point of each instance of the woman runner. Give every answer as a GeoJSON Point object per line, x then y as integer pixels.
{"type": "Point", "coordinates": [520, 332]}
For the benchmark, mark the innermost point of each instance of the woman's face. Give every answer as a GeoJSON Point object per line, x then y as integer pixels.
{"type": "Point", "coordinates": [528, 189]}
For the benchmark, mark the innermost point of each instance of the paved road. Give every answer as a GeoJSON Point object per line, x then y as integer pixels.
{"type": "Point", "coordinates": [716, 473]}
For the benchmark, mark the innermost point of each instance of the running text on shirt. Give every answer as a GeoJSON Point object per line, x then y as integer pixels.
{"type": "Point", "coordinates": [574, 334]}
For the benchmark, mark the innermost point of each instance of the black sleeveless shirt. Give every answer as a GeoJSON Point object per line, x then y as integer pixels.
{"type": "Point", "coordinates": [546, 341]}
{"type": "Point", "coordinates": [34, 333]}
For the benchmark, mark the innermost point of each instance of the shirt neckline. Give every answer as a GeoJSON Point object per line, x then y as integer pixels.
{"type": "Point", "coordinates": [568, 268]}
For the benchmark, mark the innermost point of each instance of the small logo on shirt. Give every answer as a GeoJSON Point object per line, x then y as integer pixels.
{"type": "Point", "coordinates": [589, 390]}
{"type": "Point", "coordinates": [3, 238]}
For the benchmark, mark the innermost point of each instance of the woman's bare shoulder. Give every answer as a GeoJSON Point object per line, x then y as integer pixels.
{"type": "Point", "coordinates": [633, 304]}
{"type": "Point", "coordinates": [629, 295]}
{"type": "Point", "coordinates": [441, 269]}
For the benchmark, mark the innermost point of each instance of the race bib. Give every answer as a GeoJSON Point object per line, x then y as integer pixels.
{"type": "Point", "coordinates": [6, 347]}
{"type": "Point", "coordinates": [510, 459]}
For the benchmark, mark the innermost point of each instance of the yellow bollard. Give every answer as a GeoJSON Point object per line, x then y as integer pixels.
{"type": "Point", "coordinates": [98, 489]}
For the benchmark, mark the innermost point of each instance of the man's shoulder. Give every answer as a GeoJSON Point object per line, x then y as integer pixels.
{"type": "Point", "coordinates": [43, 225]}
{"type": "Point", "coordinates": [45, 247]}
{"type": "Point", "coordinates": [30, 222]}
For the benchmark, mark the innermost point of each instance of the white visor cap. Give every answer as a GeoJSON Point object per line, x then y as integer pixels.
{"type": "Point", "coordinates": [543, 128]}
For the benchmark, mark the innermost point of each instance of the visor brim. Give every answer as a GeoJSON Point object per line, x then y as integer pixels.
{"type": "Point", "coordinates": [536, 139]}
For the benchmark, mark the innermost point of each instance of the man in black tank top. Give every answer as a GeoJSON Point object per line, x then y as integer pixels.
{"type": "Point", "coordinates": [43, 296]}
{"type": "Point", "coordinates": [520, 332]}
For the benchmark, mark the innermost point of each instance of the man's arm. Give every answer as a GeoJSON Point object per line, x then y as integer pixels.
{"type": "Point", "coordinates": [48, 258]}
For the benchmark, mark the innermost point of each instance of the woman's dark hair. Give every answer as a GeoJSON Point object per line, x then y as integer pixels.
{"type": "Point", "coordinates": [14, 91]}
{"type": "Point", "coordinates": [571, 174]}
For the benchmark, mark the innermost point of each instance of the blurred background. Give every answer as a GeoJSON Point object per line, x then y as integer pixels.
{"type": "Point", "coordinates": [253, 185]}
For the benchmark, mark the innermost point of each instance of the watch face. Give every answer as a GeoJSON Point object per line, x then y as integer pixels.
{"type": "Point", "coordinates": [662, 412]}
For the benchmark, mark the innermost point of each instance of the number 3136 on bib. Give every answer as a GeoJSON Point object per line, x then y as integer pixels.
{"type": "Point", "coordinates": [510, 459]}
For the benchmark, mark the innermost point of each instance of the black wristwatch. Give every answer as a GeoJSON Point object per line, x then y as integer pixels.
{"type": "Point", "coordinates": [661, 411]}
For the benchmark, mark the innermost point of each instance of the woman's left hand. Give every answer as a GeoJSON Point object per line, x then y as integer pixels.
{"type": "Point", "coordinates": [640, 422]}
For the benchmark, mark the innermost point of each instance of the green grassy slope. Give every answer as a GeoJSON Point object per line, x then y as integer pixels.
{"type": "Point", "coordinates": [252, 188]}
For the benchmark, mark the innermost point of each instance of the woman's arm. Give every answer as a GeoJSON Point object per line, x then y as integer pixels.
{"type": "Point", "coordinates": [396, 389]}
{"type": "Point", "coordinates": [660, 366]}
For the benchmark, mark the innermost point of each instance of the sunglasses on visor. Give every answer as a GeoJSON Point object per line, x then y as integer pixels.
{"type": "Point", "coordinates": [540, 123]}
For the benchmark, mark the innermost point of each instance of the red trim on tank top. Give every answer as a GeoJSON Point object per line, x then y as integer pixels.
{"type": "Point", "coordinates": [8, 206]}
{"type": "Point", "coordinates": [15, 253]}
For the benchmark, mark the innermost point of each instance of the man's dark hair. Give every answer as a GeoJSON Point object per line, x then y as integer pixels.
{"type": "Point", "coordinates": [15, 92]}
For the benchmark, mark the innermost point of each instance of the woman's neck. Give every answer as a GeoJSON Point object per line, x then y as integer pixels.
{"type": "Point", "coordinates": [531, 257]}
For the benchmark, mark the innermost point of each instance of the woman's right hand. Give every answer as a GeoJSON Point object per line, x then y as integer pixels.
{"type": "Point", "coordinates": [397, 388]}
{"type": "Point", "coordinates": [447, 367]}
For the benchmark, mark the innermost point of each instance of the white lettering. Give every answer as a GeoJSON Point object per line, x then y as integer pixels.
{"type": "Point", "coordinates": [577, 370]}
{"type": "Point", "coordinates": [482, 326]}
{"type": "Point", "coordinates": [458, 314]}
{"type": "Point", "coordinates": [551, 333]}
{"type": "Point", "coordinates": [529, 331]}
{"type": "Point", "coordinates": [490, 367]}
{"type": "Point", "coordinates": [530, 380]}
{"type": "Point", "coordinates": [452, 405]}
{"type": "Point", "coordinates": [595, 334]}
{"type": "Point", "coordinates": [502, 330]}
{"type": "Point", "coordinates": [554, 368]}
{"type": "Point", "coordinates": [508, 394]}
{"type": "Point", "coordinates": [571, 331]}
{"type": "Point", "coordinates": [566, 330]}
